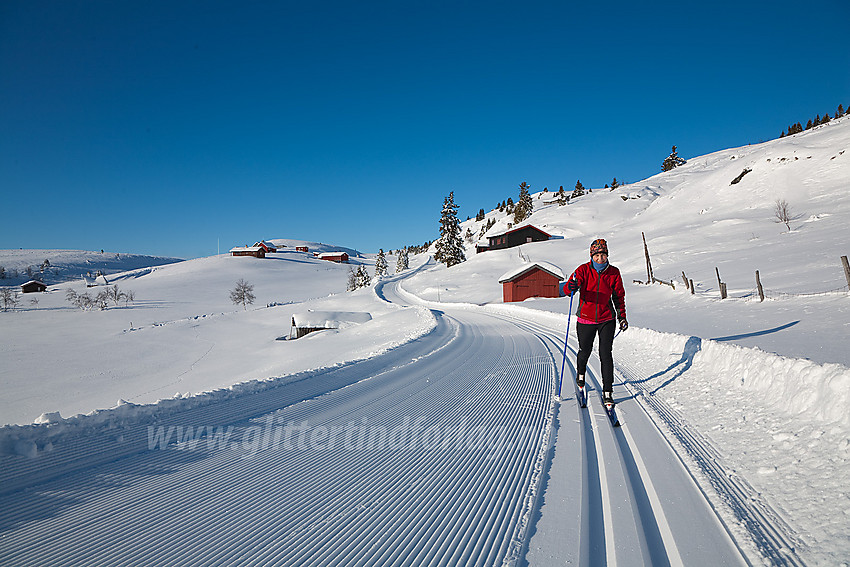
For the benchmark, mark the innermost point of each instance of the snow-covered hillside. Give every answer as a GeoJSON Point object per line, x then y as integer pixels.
{"type": "Point", "coordinates": [55, 266]}
{"type": "Point", "coordinates": [181, 334]}
{"type": "Point", "coordinates": [697, 222]}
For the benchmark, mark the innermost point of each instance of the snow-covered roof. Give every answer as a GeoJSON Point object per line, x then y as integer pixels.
{"type": "Point", "coordinates": [332, 254]}
{"type": "Point", "coordinates": [514, 229]}
{"type": "Point", "coordinates": [523, 268]}
{"type": "Point", "coordinates": [329, 319]}
{"type": "Point", "coordinates": [245, 249]}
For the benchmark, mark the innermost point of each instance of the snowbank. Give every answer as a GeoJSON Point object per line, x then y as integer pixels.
{"type": "Point", "coordinates": [338, 347]}
{"type": "Point", "coordinates": [798, 387]}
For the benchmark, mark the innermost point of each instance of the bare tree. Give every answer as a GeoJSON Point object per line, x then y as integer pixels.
{"type": "Point", "coordinates": [102, 298]}
{"type": "Point", "coordinates": [115, 295]}
{"type": "Point", "coordinates": [243, 294]}
{"type": "Point", "coordinates": [9, 298]}
{"type": "Point", "coordinates": [81, 301]}
{"type": "Point", "coordinates": [782, 212]}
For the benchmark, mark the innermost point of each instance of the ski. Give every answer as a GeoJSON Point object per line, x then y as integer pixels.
{"type": "Point", "coordinates": [581, 396]}
{"type": "Point", "coordinates": [612, 414]}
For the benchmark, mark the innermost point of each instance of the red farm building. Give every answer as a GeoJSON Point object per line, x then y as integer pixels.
{"type": "Point", "coordinates": [267, 246]}
{"type": "Point", "coordinates": [539, 279]}
{"type": "Point", "coordinates": [338, 257]}
{"type": "Point", "coordinates": [255, 251]}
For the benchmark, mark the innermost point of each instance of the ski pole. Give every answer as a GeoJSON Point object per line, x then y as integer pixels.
{"type": "Point", "coordinates": [566, 338]}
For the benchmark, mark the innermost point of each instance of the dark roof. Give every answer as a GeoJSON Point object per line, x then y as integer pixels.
{"type": "Point", "coordinates": [518, 228]}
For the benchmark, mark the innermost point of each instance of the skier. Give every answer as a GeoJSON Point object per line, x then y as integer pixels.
{"type": "Point", "coordinates": [602, 297]}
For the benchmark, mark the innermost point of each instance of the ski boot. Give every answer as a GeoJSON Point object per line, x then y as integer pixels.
{"type": "Point", "coordinates": [608, 399]}
{"type": "Point", "coordinates": [580, 380]}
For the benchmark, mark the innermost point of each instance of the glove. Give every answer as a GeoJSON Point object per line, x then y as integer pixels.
{"type": "Point", "coordinates": [624, 324]}
{"type": "Point", "coordinates": [572, 285]}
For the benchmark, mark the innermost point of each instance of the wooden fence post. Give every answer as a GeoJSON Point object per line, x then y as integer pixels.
{"type": "Point", "coordinates": [760, 288]}
{"type": "Point", "coordinates": [692, 287]}
{"type": "Point", "coordinates": [685, 279]}
{"type": "Point", "coordinates": [720, 284]}
{"type": "Point", "coordinates": [846, 269]}
{"type": "Point", "coordinates": [648, 263]}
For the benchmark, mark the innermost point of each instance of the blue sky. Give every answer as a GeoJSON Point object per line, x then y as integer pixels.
{"type": "Point", "coordinates": [169, 127]}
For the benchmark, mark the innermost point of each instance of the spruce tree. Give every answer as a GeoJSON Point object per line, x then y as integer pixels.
{"type": "Point", "coordinates": [381, 264]}
{"type": "Point", "coordinates": [562, 197]}
{"type": "Point", "coordinates": [402, 262]}
{"type": "Point", "coordinates": [578, 191]}
{"type": "Point", "coordinates": [352, 280]}
{"type": "Point", "coordinates": [450, 245]}
{"type": "Point", "coordinates": [672, 161]}
{"type": "Point", "coordinates": [363, 279]}
{"type": "Point", "coordinates": [525, 205]}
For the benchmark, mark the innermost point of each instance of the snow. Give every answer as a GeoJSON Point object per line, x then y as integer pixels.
{"type": "Point", "coordinates": [522, 268]}
{"type": "Point", "coordinates": [329, 319]}
{"type": "Point", "coordinates": [748, 397]}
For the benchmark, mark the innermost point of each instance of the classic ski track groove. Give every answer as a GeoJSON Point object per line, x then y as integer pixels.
{"type": "Point", "coordinates": [648, 519]}
{"type": "Point", "coordinates": [769, 532]}
{"type": "Point", "coordinates": [621, 527]}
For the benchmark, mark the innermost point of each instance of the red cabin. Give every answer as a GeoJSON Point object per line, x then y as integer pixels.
{"type": "Point", "coordinates": [540, 279]}
{"type": "Point", "coordinates": [339, 257]}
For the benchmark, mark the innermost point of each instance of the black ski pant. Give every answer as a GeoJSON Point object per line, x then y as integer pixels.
{"type": "Point", "coordinates": [586, 335]}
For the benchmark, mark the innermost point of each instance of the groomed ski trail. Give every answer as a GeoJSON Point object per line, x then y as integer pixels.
{"type": "Point", "coordinates": [471, 413]}
{"type": "Point", "coordinates": [450, 450]}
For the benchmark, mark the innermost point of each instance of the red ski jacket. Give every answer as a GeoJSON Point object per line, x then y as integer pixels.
{"type": "Point", "coordinates": [601, 295]}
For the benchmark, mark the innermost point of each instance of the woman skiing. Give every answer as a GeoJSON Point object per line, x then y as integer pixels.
{"type": "Point", "coordinates": [602, 299]}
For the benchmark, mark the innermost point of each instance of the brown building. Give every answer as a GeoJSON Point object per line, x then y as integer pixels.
{"type": "Point", "coordinates": [255, 251]}
{"type": "Point", "coordinates": [338, 257]}
{"type": "Point", "coordinates": [33, 286]}
{"type": "Point", "coordinates": [514, 237]}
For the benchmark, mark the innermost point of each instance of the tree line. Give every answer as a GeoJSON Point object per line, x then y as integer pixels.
{"type": "Point", "coordinates": [816, 121]}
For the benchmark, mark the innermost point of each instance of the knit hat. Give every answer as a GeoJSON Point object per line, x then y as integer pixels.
{"type": "Point", "coordinates": [598, 246]}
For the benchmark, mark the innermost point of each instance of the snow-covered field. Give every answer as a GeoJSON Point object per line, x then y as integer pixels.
{"type": "Point", "coordinates": [751, 395]}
